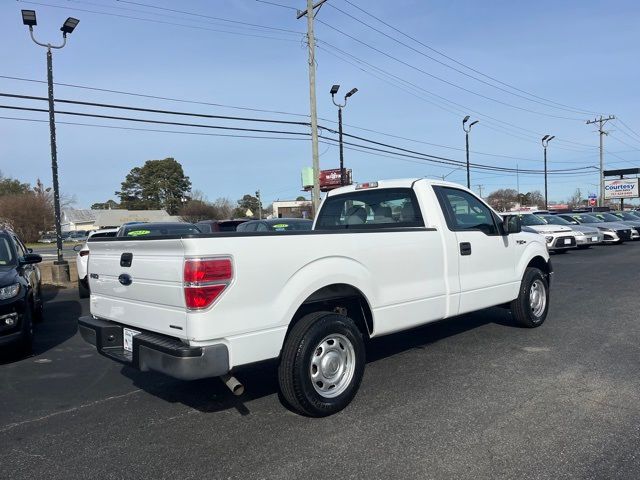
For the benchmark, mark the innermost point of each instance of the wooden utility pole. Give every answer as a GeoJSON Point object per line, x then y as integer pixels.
{"type": "Point", "coordinates": [311, 42]}
{"type": "Point", "coordinates": [601, 122]}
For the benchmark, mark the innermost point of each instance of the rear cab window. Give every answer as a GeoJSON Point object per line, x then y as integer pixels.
{"type": "Point", "coordinates": [383, 208]}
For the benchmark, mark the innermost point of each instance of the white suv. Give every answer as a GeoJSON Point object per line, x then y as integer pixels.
{"type": "Point", "coordinates": [558, 237]}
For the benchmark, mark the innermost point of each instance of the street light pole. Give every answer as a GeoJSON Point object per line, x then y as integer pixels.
{"type": "Point", "coordinates": [545, 142]}
{"type": "Point", "coordinates": [467, 129]}
{"type": "Point", "coordinates": [29, 19]}
{"type": "Point", "coordinates": [333, 91]}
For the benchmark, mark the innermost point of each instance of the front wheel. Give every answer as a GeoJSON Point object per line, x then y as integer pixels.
{"type": "Point", "coordinates": [322, 364]}
{"type": "Point", "coordinates": [26, 343]}
{"type": "Point", "coordinates": [532, 305]}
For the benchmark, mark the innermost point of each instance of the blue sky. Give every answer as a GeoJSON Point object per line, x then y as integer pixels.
{"type": "Point", "coordinates": [582, 54]}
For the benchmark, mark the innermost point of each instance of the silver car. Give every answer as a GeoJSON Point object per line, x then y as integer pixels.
{"type": "Point", "coordinates": [628, 219]}
{"type": "Point", "coordinates": [586, 235]}
{"type": "Point", "coordinates": [613, 232]}
{"type": "Point", "coordinates": [610, 218]}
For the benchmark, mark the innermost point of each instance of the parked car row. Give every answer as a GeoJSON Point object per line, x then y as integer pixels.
{"type": "Point", "coordinates": [135, 230]}
{"type": "Point", "coordinates": [564, 231]}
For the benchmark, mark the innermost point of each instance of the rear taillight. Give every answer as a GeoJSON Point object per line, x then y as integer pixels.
{"type": "Point", "coordinates": [83, 253]}
{"type": "Point", "coordinates": [205, 279]}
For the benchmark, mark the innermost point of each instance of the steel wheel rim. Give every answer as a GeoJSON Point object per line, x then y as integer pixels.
{"type": "Point", "coordinates": [537, 298]}
{"type": "Point", "coordinates": [332, 365]}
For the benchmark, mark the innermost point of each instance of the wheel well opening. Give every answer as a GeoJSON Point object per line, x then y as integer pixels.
{"type": "Point", "coordinates": [542, 264]}
{"type": "Point", "coordinates": [342, 299]}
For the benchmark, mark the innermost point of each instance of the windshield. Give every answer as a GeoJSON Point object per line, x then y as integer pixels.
{"type": "Point", "coordinates": [151, 230]}
{"type": "Point", "coordinates": [531, 220]}
{"type": "Point", "coordinates": [627, 216]}
{"type": "Point", "coordinates": [586, 218]}
{"type": "Point", "coordinates": [7, 256]}
{"type": "Point", "coordinates": [607, 217]}
{"type": "Point", "coordinates": [553, 220]}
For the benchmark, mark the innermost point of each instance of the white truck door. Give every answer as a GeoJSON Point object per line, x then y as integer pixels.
{"type": "Point", "coordinates": [486, 259]}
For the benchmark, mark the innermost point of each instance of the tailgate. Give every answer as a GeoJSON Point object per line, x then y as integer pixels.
{"type": "Point", "coordinates": [147, 291]}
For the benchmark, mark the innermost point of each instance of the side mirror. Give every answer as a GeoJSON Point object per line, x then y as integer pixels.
{"type": "Point", "coordinates": [511, 224]}
{"type": "Point", "coordinates": [30, 258]}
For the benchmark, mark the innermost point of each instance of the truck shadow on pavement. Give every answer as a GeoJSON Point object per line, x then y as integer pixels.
{"type": "Point", "coordinates": [260, 380]}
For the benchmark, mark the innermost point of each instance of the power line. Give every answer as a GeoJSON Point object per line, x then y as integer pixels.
{"type": "Point", "coordinates": [114, 127]}
{"type": "Point", "coordinates": [629, 136]}
{"type": "Point", "coordinates": [152, 110]}
{"type": "Point", "coordinates": [130, 17]}
{"type": "Point", "coordinates": [462, 108]}
{"type": "Point", "coordinates": [462, 64]}
{"type": "Point", "coordinates": [422, 160]}
{"type": "Point", "coordinates": [405, 152]}
{"type": "Point", "coordinates": [413, 152]}
{"type": "Point", "coordinates": [451, 67]}
{"type": "Point", "coordinates": [159, 122]}
{"type": "Point", "coordinates": [200, 15]}
{"type": "Point", "coordinates": [277, 5]}
{"type": "Point", "coordinates": [455, 85]}
{"type": "Point", "coordinates": [155, 97]}
{"type": "Point", "coordinates": [628, 127]}
{"type": "Point", "coordinates": [84, 87]}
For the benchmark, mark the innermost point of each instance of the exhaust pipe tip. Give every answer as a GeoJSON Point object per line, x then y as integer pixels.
{"type": "Point", "coordinates": [233, 384]}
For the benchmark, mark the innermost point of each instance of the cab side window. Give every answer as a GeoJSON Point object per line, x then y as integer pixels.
{"type": "Point", "coordinates": [464, 212]}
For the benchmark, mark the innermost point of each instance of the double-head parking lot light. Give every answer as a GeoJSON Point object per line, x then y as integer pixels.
{"type": "Point", "coordinates": [333, 91]}
{"type": "Point", "coordinates": [61, 273]}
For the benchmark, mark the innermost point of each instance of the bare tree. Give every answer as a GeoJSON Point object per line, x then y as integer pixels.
{"type": "Point", "coordinates": [27, 214]}
{"type": "Point", "coordinates": [503, 199]}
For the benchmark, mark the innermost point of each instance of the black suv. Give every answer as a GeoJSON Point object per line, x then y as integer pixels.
{"type": "Point", "coordinates": [20, 298]}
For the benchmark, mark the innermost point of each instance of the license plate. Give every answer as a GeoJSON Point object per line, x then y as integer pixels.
{"type": "Point", "coordinates": [567, 241]}
{"type": "Point", "coordinates": [594, 239]}
{"type": "Point", "coordinates": [127, 337]}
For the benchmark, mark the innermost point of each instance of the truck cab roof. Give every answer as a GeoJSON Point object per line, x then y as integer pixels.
{"type": "Point", "coordinates": [393, 183]}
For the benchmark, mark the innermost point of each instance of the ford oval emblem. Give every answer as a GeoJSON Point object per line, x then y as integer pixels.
{"type": "Point", "coordinates": [125, 279]}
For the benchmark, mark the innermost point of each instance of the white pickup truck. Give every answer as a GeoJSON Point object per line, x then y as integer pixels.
{"type": "Point", "coordinates": [382, 257]}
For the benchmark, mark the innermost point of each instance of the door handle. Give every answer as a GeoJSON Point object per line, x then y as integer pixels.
{"type": "Point", "coordinates": [465, 248]}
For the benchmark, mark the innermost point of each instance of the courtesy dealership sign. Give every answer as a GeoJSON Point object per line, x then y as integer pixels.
{"type": "Point", "coordinates": [627, 188]}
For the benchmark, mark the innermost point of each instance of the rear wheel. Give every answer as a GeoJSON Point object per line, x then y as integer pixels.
{"type": "Point", "coordinates": [532, 305]}
{"type": "Point", "coordinates": [322, 364]}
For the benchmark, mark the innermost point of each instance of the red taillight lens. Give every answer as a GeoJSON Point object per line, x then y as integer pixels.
{"type": "Point", "coordinates": [203, 271]}
{"type": "Point", "coordinates": [83, 253]}
{"type": "Point", "coordinates": [201, 297]}
{"type": "Point", "coordinates": [205, 280]}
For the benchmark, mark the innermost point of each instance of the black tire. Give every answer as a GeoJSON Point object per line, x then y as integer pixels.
{"type": "Point", "coordinates": [26, 344]}
{"type": "Point", "coordinates": [83, 290]}
{"type": "Point", "coordinates": [38, 307]}
{"type": "Point", "coordinates": [521, 307]}
{"type": "Point", "coordinates": [583, 247]}
{"type": "Point", "coordinates": [302, 346]}
{"type": "Point", "coordinates": [560, 251]}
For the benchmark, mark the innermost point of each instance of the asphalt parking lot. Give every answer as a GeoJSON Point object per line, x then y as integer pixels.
{"type": "Point", "coordinates": [468, 398]}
